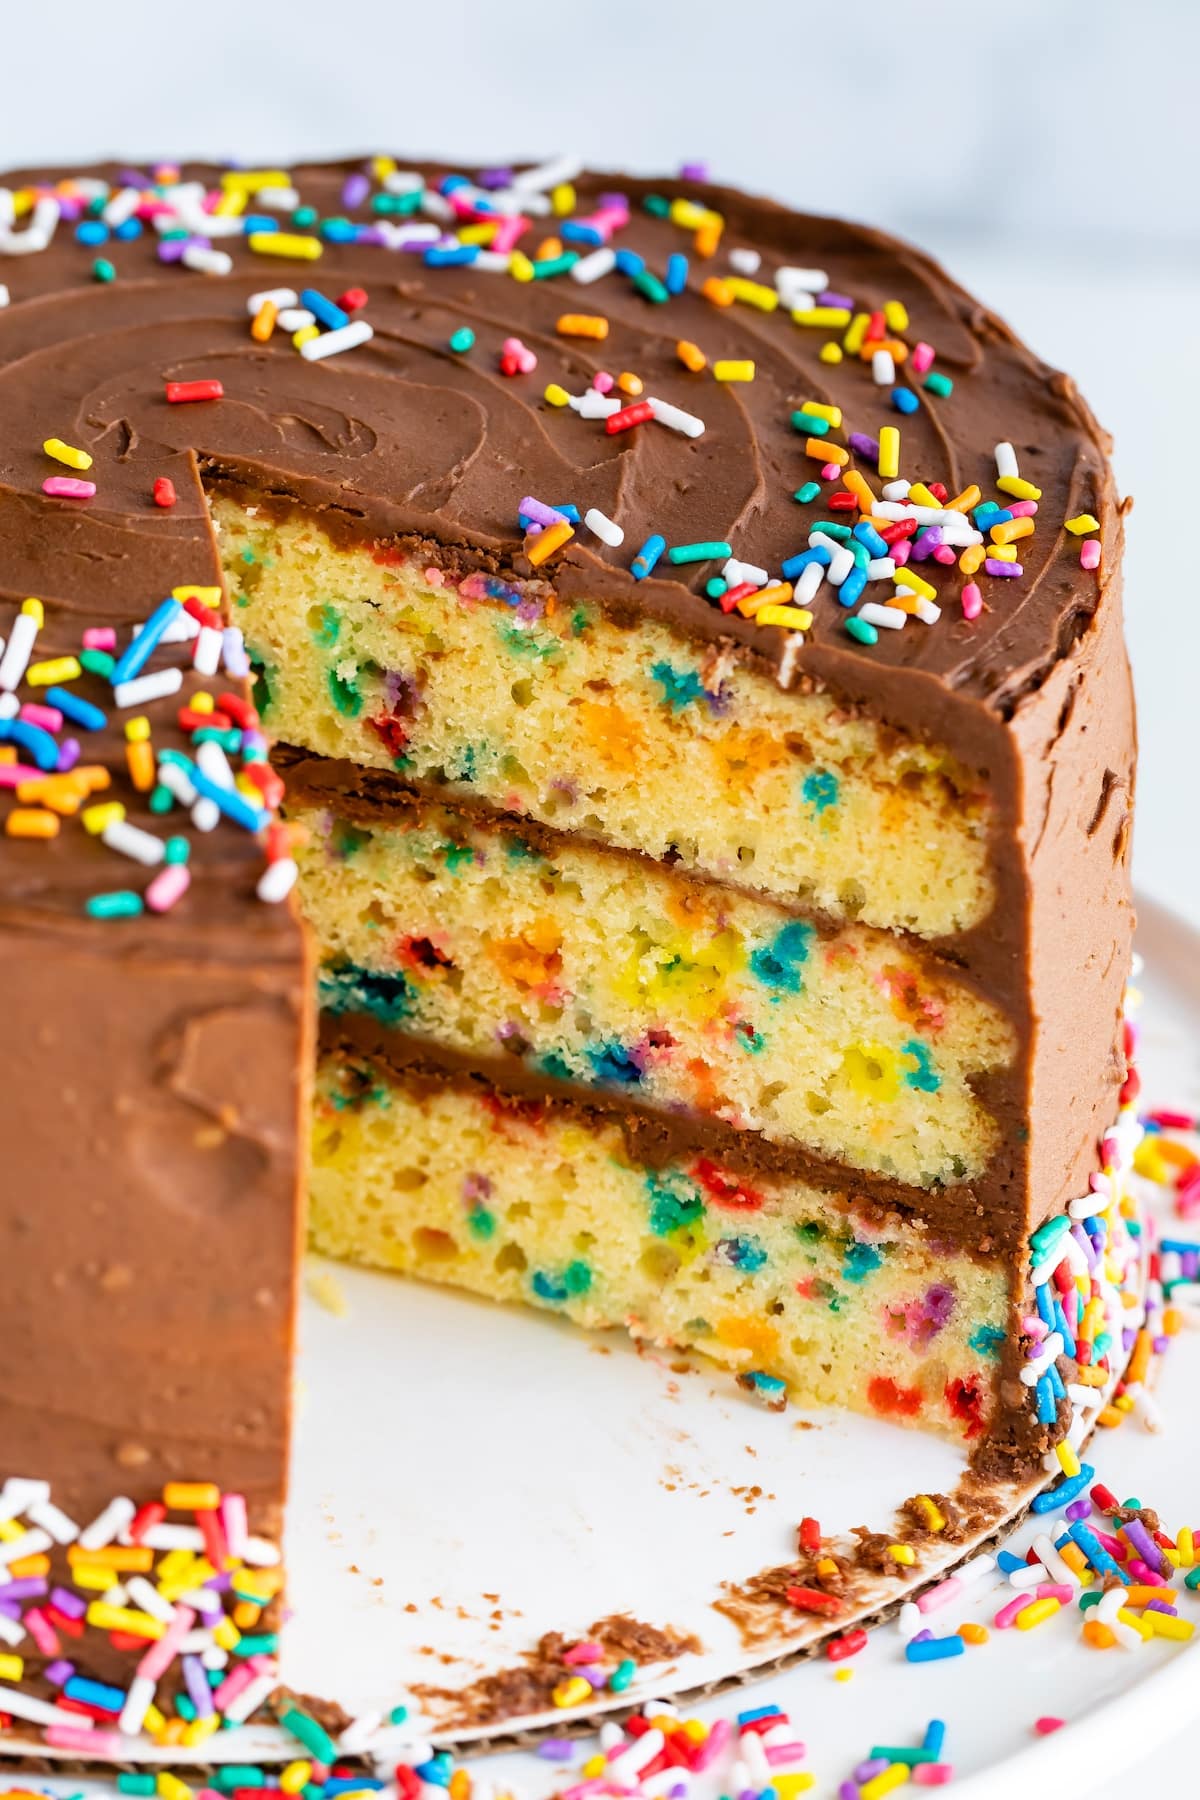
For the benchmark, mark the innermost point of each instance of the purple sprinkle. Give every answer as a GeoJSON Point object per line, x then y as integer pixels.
{"type": "Point", "coordinates": [27, 1587]}
{"type": "Point", "coordinates": [1085, 1244]}
{"type": "Point", "coordinates": [1008, 570]}
{"type": "Point", "coordinates": [196, 1681]}
{"type": "Point", "coordinates": [171, 249]}
{"type": "Point", "coordinates": [677, 1791]}
{"type": "Point", "coordinates": [1162, 1607]}
{"type": "Point", "coordinates": [1144, 1544]}
{"type": "Point", "coordinates": [874, 1765]}
{"type": "Point", "coordinates": [68, 755]}
{"type": "Point", "coordinates": [1191, 1264]}
{"type": "Point", "coordinates": [1079, 1509]}
{"type": "Point", "coordinates": [829, 298]}
{"type": "Point", "coordinates": [921, 1637]}
{"type": "Point", "coordinates": [864, 446]}
{"type": "Point", "coordinates": [848, 1791]}
{"type": "Point", "coordinates": [556, 1749]}
{"type": "Point", "coordinates": [926, 542]}
{"type": "Point", "coordinates": [371, 234]}
{"type": "Point", "coordinates": [540, 513]}
{"type": "Point", "coordinates": [59, 1671]}
{"type": "Point", "coordinates": [693, 171]}
{"type": "Point", "coordinates": [10, 1609]}
{"type": "Point", "coordinates": [495, 178]}
{"type": "Point", "coordinates": [66, 1602]}
{"type": "Point", "coordinates": [355, 190]}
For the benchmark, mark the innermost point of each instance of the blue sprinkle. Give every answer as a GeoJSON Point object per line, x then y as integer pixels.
{"type": "Point", "coordinates": [1047, 1405]}
{"type": "Point", "coordinates": [759, 1712]}
{"type": "Point", "coordinates": [95, 1693]}
{"type": "Point", "coordinates": [647, 556]}
{"type": "Point", "coordinates": [323, 311]}
{"type": "Point", "coordinates": [1008, 1563]}
{"type": "Point", "coordinates": [1056, 1381]}
{"type": "Point", "coordinates": [935, 1738]}
{"type": "Point", "coordinates": [629, 262]}
{"type": "Point", "coordinates": [677, 272]}
{"type": "Point", "coordinates": [904, 400]}
{"type": "Point", "coordinates": [138, 653]}
{"type": "Point", "coordinates": [851, 589]}
{"type": "Point", "coordinates": [1045, 1304]}
{"type": "Point", "coordinates": [259, 222]}
{"type": "Point", "coordinates": [794, 564]}
{"type": "Point", "coordinates": [569, 512]}
{"type": "Point", "coordinates": [229, 802]}
{"type": "Point", "coordinates": [1094, 1550]}
{"type": "Point", "coordinates": [1065, 1492]}
{"type": "Point", "coordinates": [935, 1649]}
{"type": "Point", "coordinates": [80, 712]}
{"type": "Point", "coordinates": [866, 534]}
{"type": "Point", "coordinates": [91, 231]}
{"type": "Point", "coordinates": [338, 231]}
{"type": "Point", "coordinates": [924, 1077]}
{"type": "Point", "coordinates": [450, 256]}
{"type": "Point", "coordinates": [574, 231]}
{"type": "Point", "coordinates": [128, 229]}
{"type": "Point", "coordinates": [820, 790]}
{"type": "Point", "coordinates": [33, 740]}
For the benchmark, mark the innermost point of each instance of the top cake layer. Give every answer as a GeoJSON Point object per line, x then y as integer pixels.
{"type": "Point", "coordinates": [406, 438]}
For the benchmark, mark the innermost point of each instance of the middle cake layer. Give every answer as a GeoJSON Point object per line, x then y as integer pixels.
{"type": "Point", "coordinates": [594, 967]}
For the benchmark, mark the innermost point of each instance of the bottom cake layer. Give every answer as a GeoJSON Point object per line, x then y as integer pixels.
{"type": "Point", "coordinates": [786, 1284]}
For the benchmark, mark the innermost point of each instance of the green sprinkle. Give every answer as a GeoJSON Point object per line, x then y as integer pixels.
{"type": "Point", "coordinates": [690, 553]}
{"type": "Point", "coordinates": [397, 1715]}
{"type": "Point", "coordinates": [938, 384]}
{"type": "Point", "coordinates": [811, 423]}
{"type": "Point", "coordinates": [238, 1775]}
{"type": "Point", "coordinates": [312, 1735]}
{"type": "Point", "coordinates": [230, 739]}
{"type": "Point", "coordinates": [462, 339]}
{"type": "Point", "coordinates": [657, 205]}
{"type": "Point", "coordinates": [650, 287]}
{"type": "Point", "coordinates": [136, 1784]}
{"type": "Point", "coordinates": [185, 1707]}
{"type": "Point", "coordinates": [258, 1643]}
{"type": "Point", "coordinates": [397, 203]}
{"type": "Point", "coordinates": [122, 903]}
{"type": "Point", "coordinates": [161, 800]}
{"type": "Point", "coordinates": [97, 662]}
{"type": "Point", "coordinates": [555, 265]}
{"type": "Point", "coordinates": [861, 632]}
{"type": "Point", "coordinates": [304, 216]}
{"type": "Point", "coordinates": [103, 270]}
{"type": "Point", "coordinates": [622, 1675]}
{"type": "Point", "coordinates": [716, 587]}
{"type": "Point", "coordinates": [808, 492]}
{"type": "Point", "coordinates": [176, 850]}
{"type": "Point", "coordinates": [1193, 1580]}
{"type": "Point", "coordinates": [344, 694]}
{"type": "Point", "coordinates": [910, 1758]}
{"type": "Point", "coordinates": [842, 533]}
{"type": "Point", "coordinates": [1047, 1236]}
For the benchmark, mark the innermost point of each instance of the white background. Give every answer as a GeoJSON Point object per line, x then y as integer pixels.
{"type": "Point", "coordinates": [1044, 149]}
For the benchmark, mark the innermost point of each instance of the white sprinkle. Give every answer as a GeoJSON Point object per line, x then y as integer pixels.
{"type": "Point", "coordinates": [746, 262]}
{"type": "Point", "coordinates": [233, 651]}
{"type": "Point", "coordinates": [881, 568]}
{"type": "Point", "coordinates": [436, 206]}
{"type": "Point", "coordinates": [15, 660]}
{"type": "Point", "coordinates": [143, 1593]}
{"type": "Point", "coordinates": [30, 1543]}
{"type": "Point", "coordinates": [675, 418]}
{"type": "Point", "coordinates": [143, 688]}
{"type": "Point", "coordinates": [410, 235]}
{"type": "Point", "coordinates": [812, 281]}
{"type": "Point", "coordinates": [280, 298]}
{"type": "Point", "coordinates": [1051, 1350]}
{"type": "Point", "coordinates": [277, 881]}
{"type": "Point", "coordinates": [19, 1493]}
{"type": "Point", "coordinates": [11, 1630]}
{"type": "Point", "coordinates": [3, 295]}
{"type": "Point", "coordinates": [214, 763]}
{"type": "Point", "coordinates": [206, 815]}
{"type": "Point", "coordinates": [195, 1643]}
{"type": "Point", "coordinates": [1006, 460]}
{"type": "Point", "coordinates": [121, 207]}
{"type": "Point", "coordinates": [926, 610]}
{"type": "Point", "coordinates": [1083, 1208]}
{"type": "Point", "coordinates": [547, 175]}
{"type": "Point", "coordinates": [604, 528]}
{"type": "Point", "coordinates": [10, 706]}
{"type": "Point", "coordinates": [206, 657]}
{"type": "Point", "coordinates": [260, 1553]}
{"type": "Point", "coordinates": [1056, 1568]}
{"type": "Point", "coordinates": [215, 1658]}
{"type": "Point", "coordinates": [182, 629]}
{"type": "Point", "coordinates": [173, 1537]}
{"type": "Point", "coordinates": [978, 1569]}
{"type": "Point", "coordinates": [138, 1700]}
{"type": "Point", "coordinates": [207, 262]}
{"type": "Point", "coordinates": [107, 1524]}
{"type": "Point", "coordinates": [130, 840]}
{"type": "Point", "coordinates": [51, 1518]}
{"type": "Point", "coordinates": [359, 1733]}
{"type": "Point", "coordinates": [277, 199]}
{"type": "Point", "coordinates": [895, 491]}
{"type": "Point", "coordinates": [593, 405]}
{"type": "Point", "coordinates": [403, 181]}
{"type": "Point", "coordinates": [493, 262]}
{"type": "Point", "coordinates": [251, 1698]}
{"type": "Point", "coordinates": [1027, 1576]}
{"type": "Point", "coordinates": [735, 573]}
{"type": "Point", "coordinates": [295, 318]}
{"type": "Point", "coordinates": [808, 586]}
{"type": "Point", "coordinates": [889, 617]}
{"type": "Point", "coordinates": [332, 343]}
{"type": "Point", "coordinates": [591, 268]}
{"type": "Point", "coordinates": [910, 1619]}
{"type": "Point", "coordinates": [38, 1712]}
{"type": "Point", "coordinates": [177, 781]}
{"type": "Point", "coordinates": [883, 368]}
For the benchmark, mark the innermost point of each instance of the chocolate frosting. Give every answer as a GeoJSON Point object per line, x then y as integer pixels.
{"type": "Point", "coordinates": [149, 1115]}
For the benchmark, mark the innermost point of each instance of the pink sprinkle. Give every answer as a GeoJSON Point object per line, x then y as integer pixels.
{"type": "Point", "coordinates": [945, 554]}
{"type": "Point", "coordinates": [168, 887]}
{"type": "Point", "coordinates": [1008, 1612]}
{"type": "Point", "coordinates": [99, 637]}
{"type": "Point", "coordinates": [584, 1653]}
{"type": "Point", "coordinates": [1055, 1590]}
{"type": "Point", "coordinates": [48, 717]}
{"type": "Point", "coordinates": [972, 600]}
{"type": "Point", "coordinates": [42, 1631]}
{"type": "Point", "coordinates": [932, 1774]}
{"type": "Point", "coordinates": [921, 358]}
{"type": "Point", "coordinates": [603, 382]}
{"type": "Point", "coordinates": [67, 487]}
{"type": "Point", "coordinates": [1022, 509]}
{"type": "Point", "coordinates": [901, 551]}
{"type": "Point", "coordinates": [1089, 553]}
{"type": "Point", "coordinates": [91, 1743]}
{"type": "Point", "coordinates": [434, 577]}
{"type": "Point", "coordinates": [785, 1753]}
{"type": "Point", "coordinates": [940, 1595]}
{"type": "Point", "coordinates": [233, 1522]}
{"type": "Point", "coordinates": [1142, 1572]}
{"type": "Point", "coordinates": [507, 233]}
{"type": "Point", "coordinates": [830, 471]}
{"type": "Point", "coordinates": [719, 1735]}
{"type": "Point", "coordinates": [13, 774]}
{"type": "Point", "coordinates": [161, 1655]}
{"type": "Point", "coordinates": [1046, 1725]}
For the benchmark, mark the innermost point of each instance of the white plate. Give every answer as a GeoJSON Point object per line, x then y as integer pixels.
{"type": "Point", "coordinates": [450, 1451]}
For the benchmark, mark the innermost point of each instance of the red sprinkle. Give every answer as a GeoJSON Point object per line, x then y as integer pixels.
{"type": "Point", "coordinates": [268, 783]}
{"type": "Point", "coordinates": [814, 1601]}
{"type": "Point", "coordinates": [898, 530]}
{"type": "Point", "coordinates": [240, 711]}
{"type": "Point", "coordinates": [152, 1513]}
{"type": "Point", "coordinates": [842, 501]}
{"type": "Point", "coordinates": [810, 1536]}
{"type": "Point", "coordinates": [353, 300]}
{"type": "Point", "coordinates": [1046, 1725]}
{"type": "Point", "coordinates": [1103, 1497]}
{"type": "Point", "coordinates": [637, 414]}
{"type": "Point", "coordinates": [190, 720]}
{"type": "Point", "coordinates": [164, 492]}
{"type": "Point", "coordinates": [203, 615]}
{"type": "Point", "coordinates": [850, 1645]}
{"type": "Point", "coordinates": [739, 591]}
{"type": "Point", "coordinates": [179, 392]}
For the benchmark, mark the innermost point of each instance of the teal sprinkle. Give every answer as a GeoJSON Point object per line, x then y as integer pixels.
{"type": "Point", "coordinates": [812, 424]}
{"type": "Point", "coordinates": [103, 270]}
{"type": "Point", "coordinates": [778, 964]}
{"type": "Point", "coordinates": [261, 692]}
{"type": "Point", "coordinates": [313, 1736]}
{"type": "Point", "coordinates": [465, 768]}
{"type": "Point", "coordinates": [123, 903]}
{"type": "Point", "coordinates": [1046, 1237]}
{"type": "Point", "coordinates": [161, 800]}
{"type": "Point", "coordinates": [326, 632]}
{"type": "Point", "coordinates": [660, 207]}
{"type": "Point", "coordinates": [304, 217]}
{"type": "Point", "coordinates": [177, 850]}
{"type": "Point", "coordinates": [248, 555]}
{"type": "Point", "coordinates": [556, 1066]}
{"type": "Point", "coordinates": [580, 621]}
{"type": "Point", "coordinates": [238, 1775]}
{"type": "Point", "coordinates": [344, 987]}
{"type": "Point", "coordinates": [806, 494]}
{"type": "Point", "coordinates": [706, 552]}
{"type": "Point", "coordinates": [675, 1203]}
{"type": "Point", "coordinates": [577, 1278]}
{"type": "Point", "coordinates": [550, 266]}
{"type": "Point", "coordinates": [861, 631]}
{"type": "Point", "coordinates": [987, 1340]}
{"type": "Point", "coordinates": [680, 686]}
{"type": "Point", "coordinates": [820, 790]}
{"type": "Point", "coordinates": [518, 851]}
{"type": "Point", "coordinates": [649, 286]}
{"type": "Point", "coordinates": [462, 340]}
{"type": "Point", "coordinates": [614, 1064]}
{"type": "Point", "coordinates": [749, 1038]}
{"type": "Point", "coordinates": [136, 1784]}
{"type": "Point", "coordinates": [185, 1707]}
{"type": "Point", "coordinates": [397, 1715]}
{"type": "Point", "coordinates": [97, 662]}
{"type": "Point", "coordinates": [861, 1260]}
{"type": "Point", "coordinates": [938, 384]}
{"type": "Point", "coordinates": [457, 856]}
{"type": "Point", "coordinates": [546, 1288]}
{"type": "Point", "coordinates": [716, 587]}
{"type": "Point", "coordinates": [258, 1643]}
{"type": "Point", "coordinates": [480, 1222]}
{"type": "Point", "coordinates": [744, 1253]}
{"type": "Point", "coordinates": [811, 1232]}
{"type": "Point", "coordinates": [622, 1676]}
{"type": "Point", "coordinates": [345, 695]}
{"type": "Point", "coordinates": [925, 1075]}
{"type": "Point", "coordinates": [519, 641]}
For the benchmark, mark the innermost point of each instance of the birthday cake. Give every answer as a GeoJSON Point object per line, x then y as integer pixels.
{"type": "Point", "coordinates": [602, 702]}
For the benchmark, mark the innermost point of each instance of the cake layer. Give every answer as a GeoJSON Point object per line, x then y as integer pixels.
{"type": "Point", "coordinates": [604, 969]}
{"type": "Point", "coordinates": [635, 736]}
{"type": "Point", "coordinates": [454, 1181]}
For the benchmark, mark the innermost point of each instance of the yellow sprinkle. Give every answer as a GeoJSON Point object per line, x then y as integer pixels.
{"type": "Point", "coordinates": [56, 669]}
{"type": "Point", "coordinates": [249, 181]}
{"type": "Point", "coordinates": [852, 343]}
{"type": "Point", "coordinates": [230, 205]}
{"type": "Point", "coordinates": [895, 315]}
{"type": "Point", "coordinates": [695, 1730]}
{"type": "Point", "coordinates": [1185, 1544]}
{"type": "Point", "coordinates": [1136, 1621]}
{"type": "Point", "coordinates": [752, 293]}
{"type": "Point", "coordinates": [202, 702]}
{"type": "Point", "coordinates": [798, 1782]}
{"type": "Point", "coordinates": [263, 323]}
{"type": "Point", "coordinates": [630, 384]}
{"type": "Point", "coordinates": [562, 199]}
{"type": "Point", "coordinates": [917, 584]}
{"type": "Point", "coordinates": [67, 453]}
{"type": "Point", "coordinates": [191, 1496]}
{"type": "Point", "coordinates": [843, 1674]}
{"type": "Point", "coordinates": [734, 369]}
{"type": "Point", "coordinates": [197, 1730]}
{"type": "Point", "coordinates": [572, 1692]}
{"type": "Point", "coordinates": [481, 233]}
{"type": "Point", "coordinates": [557, 396]}
{"type": "Point", "coordinates": [124, 1618]}
{"type": "Point", "coordinates": [383, 166]}
{"type": "Point", "coordinates": [831, 414]}
{"type": "Point", "coordinates": [887, 1783]}
{"type": "Point", "coordinates": [1002, 552]}
{"type": "Point", "coordinates": [963, 502]}
{"type": "Point", "coordinates": [827, 1566]}
{"type": "Point", "coordinates": [1164, 1626]}
{"type": "Point", "coordinates": [95, 820]}
{"type": "Point", "coordinates": [1018, 487]}
{"type": "Point", "coordinates": [902, 1553]}
{"type": "Point", "coordinates": [226, 1634]}
{"type": "Point", "coordinates": [94, 1576]}
{"type": "Point", "coordinates": [889, 452]}
{"type": "Point", "coordinates": [690, 214]}
{"type": "Point", "coordinates": [137, 731]}
{"type": "Point", "coordinates": [860, 487]}
{"type": "Point", "coordinates": [1009, 530]}
{"type": "Point", "coordinates": [831, 352]}
{"type": "Point", "coordinates": [305, 335]}
{"type": "Point", "coordinates": [826, 318]}
{"type": "Point", "coordinates": [207, 596]}
{"type": "Point", "coordinates": [595, 1765]}
{"type": "Point", "coordinates": [520, 267]}
{"type": "Point", "coordinates": [792, 618]}
{"type": "Point", "coordinates": [548, 541]}
{"type": "Point", "coordinates": [1068, 1462]}
{"type": "Point", "coordinates": [825, 452]}
{"type": "Point", "coordinates": [170, 1732]}
{"type": "Point", "coordinates": [929, 1511]}
{"type": "Point", "coordinates": [973, 1634]}
{"type": "Point", "coordinates": [582, 325]}
{"type": "Point", "coordinates": [11, 1668]}
{"type": "Point", "coordinates": [919, 495]}
{"type": "Point", "coordinates": [691, 355]}
{"type": "Point", "coordinates": [1081, 523]}
{"type": "Point", "coordinates": [34, 610]}
{"type": "Point", "coordinates": [1036, 1612]}
{"type": "Point", "coordinates": [170, 1787]}
{"type": "Point", "coordinates": [295, 1777]}
{"type": "Point", "coordinates": [285, 243]}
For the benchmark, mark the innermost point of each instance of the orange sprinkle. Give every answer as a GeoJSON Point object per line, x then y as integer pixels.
{"type": "Point", "coordinates": [549, 250]}
{"type": "Point", "coordinates": [134, 1559]}
{"type": "Point", "coordinates": [263, 323]}
{"type": "Point", "coordinates": [1098, 1635]}
{"type": "Point", "coordinates": [973, 1634]}
{"type": "Point", "coordinates": [825, 452]}
{"type": "Point", "coordinates": [717, 291]}
{"type": "Point", "coordinates": [630, 384]}
{"type": "Point", "coordinates": [537, 549]}
{"type": "Point", "coordinates": [1009, 530]}
{"type": "Point", "coordinates": [31, 822]}
{"type": "Point", "coordinates": [691, 355]}
{"type": "Point", "coordinates": [963, 502]}
{"type": "Point", "coordinates": [860, 487]}
{"type": "Point", "coordinates": [583, 325]}
{"type": "Point", "coordinates": [707, 238]}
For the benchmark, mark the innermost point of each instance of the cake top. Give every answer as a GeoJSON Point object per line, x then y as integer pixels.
{"type": "Point", "coordinates": [705, 375]}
